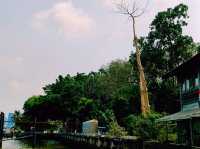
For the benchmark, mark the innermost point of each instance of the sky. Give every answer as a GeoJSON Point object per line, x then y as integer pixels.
{"type": "Point", "coordinates": [41, 39]}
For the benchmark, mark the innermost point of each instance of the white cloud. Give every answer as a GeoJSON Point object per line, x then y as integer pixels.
{"type": "Point", "coordinates": [66, 18]}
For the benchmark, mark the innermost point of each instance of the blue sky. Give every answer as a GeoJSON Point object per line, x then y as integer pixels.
{"type": "Point", "coordinates": [41, 39]}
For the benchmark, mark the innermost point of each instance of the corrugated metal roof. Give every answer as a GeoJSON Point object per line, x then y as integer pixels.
{"type": "Point", "coordinates": [180, 116]}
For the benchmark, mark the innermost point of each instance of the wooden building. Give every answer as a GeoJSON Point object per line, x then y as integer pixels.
{"type": "Point", "coordinates": [188, 119]}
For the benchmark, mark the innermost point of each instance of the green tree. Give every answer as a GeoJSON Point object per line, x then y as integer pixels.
{"type": "Point", "coordinates": [85, 96]}
{"type": "Point", "coordinates": [143, 127]}
{"type": "Point", "coordinates": [116, 81]}
{"type": "Point", "coordinates": [164, 49]}
{"type": "Point", "coordinates": [115, 130]}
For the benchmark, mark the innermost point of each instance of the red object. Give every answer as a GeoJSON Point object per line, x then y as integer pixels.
{"type": "Point", "coordinates": [196, 92]}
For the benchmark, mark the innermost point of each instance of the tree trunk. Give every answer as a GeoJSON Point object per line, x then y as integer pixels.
{"type": "Point", "coordinates": [145, 107]}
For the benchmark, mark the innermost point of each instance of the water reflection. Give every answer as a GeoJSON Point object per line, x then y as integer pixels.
{"type": "Point", "coordinates": [25, 144]}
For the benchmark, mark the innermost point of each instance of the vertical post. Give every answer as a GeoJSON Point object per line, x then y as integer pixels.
{"type": "Point", "coordinates": [190, 133]}
{"type": "Point", "coordinates": [180, 94]}
{"type": "Point", "coordinates": [198, 79]}
{"type": "Point", "coordinates": [34, 133]}
{"type": "Point", "coordinates": [1, 127]}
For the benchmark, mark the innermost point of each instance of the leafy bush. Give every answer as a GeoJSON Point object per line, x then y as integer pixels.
{"type": "Point", "coordinates": [115, 130]}
{"type": "Point", "coordinates": [143, 127]}
{"type": "Point", "coordinates": [167, 132]}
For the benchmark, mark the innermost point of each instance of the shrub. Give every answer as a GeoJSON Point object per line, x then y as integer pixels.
{"type": "Point", "coordinates": [143, 127]}
{"type": "Point", "coordinates": [114, 130]}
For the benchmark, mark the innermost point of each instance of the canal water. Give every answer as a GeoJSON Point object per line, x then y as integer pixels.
{"type": "Point", "coordinates": [25, 144]}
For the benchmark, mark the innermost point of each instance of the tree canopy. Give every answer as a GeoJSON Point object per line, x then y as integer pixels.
{"type": "Point", "coordinates": [163, 49]}
{"type": "Point", "coordinates": [113, 91]}
{"type": "Point", "coordinates": [85, 96]}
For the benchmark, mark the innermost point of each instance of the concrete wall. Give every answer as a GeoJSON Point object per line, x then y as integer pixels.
{"type": "Point", "coordinates": [120, 143]}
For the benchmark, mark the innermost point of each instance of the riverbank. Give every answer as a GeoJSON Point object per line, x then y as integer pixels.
{"type": "Point", "coordinates": [27, 144]}
{"type": "Point", "coordinates": [74, 141]}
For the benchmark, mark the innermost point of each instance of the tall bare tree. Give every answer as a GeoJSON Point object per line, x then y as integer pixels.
{"type": "Point", "coordinates": [133, 12]}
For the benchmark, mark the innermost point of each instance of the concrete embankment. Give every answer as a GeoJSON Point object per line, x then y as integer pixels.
{"type": "Point", "coordinates": [104, 142]}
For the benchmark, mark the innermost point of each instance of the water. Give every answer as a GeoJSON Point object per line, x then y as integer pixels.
{"type": "Point", "coordinates": [24, 144]}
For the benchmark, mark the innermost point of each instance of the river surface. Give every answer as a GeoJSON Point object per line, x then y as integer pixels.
{"type": "Point", "coordinates": [24, 144]}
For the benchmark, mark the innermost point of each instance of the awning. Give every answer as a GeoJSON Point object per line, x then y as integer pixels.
{"type": "Point", "coordinates": [180, 116]}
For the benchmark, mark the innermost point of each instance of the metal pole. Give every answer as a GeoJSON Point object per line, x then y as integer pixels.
{"type": "Point", "coordinates": [1, 127]}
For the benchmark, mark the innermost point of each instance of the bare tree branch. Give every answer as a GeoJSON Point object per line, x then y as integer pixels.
{"type": "Point", "coordinates": [133, 13]}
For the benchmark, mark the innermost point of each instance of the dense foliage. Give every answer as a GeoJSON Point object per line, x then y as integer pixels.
{"type": "Point", "coordinates": [144, 127]}
{"type": "Point", "coordinates": [85, 96]}
{"type": "Point", "coordinates": [113, 91]}
{"type": "Point", "coordinates": [116, 130]}
{"type": "Point", "coordinates": [164, 48]}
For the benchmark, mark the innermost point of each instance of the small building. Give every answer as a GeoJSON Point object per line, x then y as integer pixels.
{"type": "Point", "coordinates": [188, 119]}
{"type": "Point", "coordinates": [90, 127]}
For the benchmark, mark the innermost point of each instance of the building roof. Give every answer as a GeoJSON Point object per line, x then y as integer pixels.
{"type": "Point", "coordinates": [185, 67]}
{"type": "Point", "coordinates": [181, 116]}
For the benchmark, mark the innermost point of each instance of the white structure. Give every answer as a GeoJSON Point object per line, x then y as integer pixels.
{"type": "Point", "coordinates": [90, 127]}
